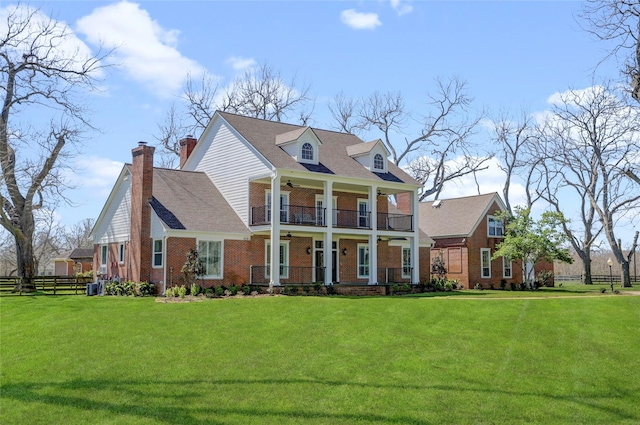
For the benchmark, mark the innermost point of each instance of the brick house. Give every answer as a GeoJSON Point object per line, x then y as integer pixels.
{"type": "Point", "coordinates": [466, 233]}
{"type": "Point", "coordinates": [334, 223]}
{"type": "Point", "coordinates": [77, 260]}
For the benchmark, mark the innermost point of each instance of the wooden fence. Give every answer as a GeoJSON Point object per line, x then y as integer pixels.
{"type": "Point", "coordinates": [46, 285]}
{"type": "Point", "coordinates": [595, 278]}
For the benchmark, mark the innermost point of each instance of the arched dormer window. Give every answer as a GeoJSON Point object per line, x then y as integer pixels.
{"type": "Point", "coordinates": [307, 152]}
{"type": "Point", "coordinates": [378, 162]}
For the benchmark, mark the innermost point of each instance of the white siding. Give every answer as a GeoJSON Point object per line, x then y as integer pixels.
{"type": "Point", "coordinates": [115, 225]}
{"type": "Point", "coordinates": [157, 228]}
{"type": "Point", "coordinates": [229, 162]}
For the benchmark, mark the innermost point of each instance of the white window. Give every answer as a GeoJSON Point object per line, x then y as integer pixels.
{"type": "Point", "coordinates": [496, 227]}
{"type": "Point", "coordinates": [210, 253]}
{"type": "Point", "coordinates": [307, 152]}
{"type": "Point", "coordinates": [363, 260]}
{"type": "Point", "coordinates": [284, 206]}
{"type": "Point", "coordinates": [378, 162]}
{"type": "Point", "coordinates": [121, 253]}
{"type": "Point", "coordinates": [157, 253]}
{"type": "Point", "coordinates": [406, 262]}
{"type": "Point", "coordinates": [507, 269]}
{"type": "Point", "coordinates": [320, 213]}
{"type": "Point", "coordinates": [363, 213]}
{"type": "Point", "coordinates": [485, 262]}
{"type": "Point", "coordinates": [103, 255]}
{"type": "Point", "coordinates": [284, 259]}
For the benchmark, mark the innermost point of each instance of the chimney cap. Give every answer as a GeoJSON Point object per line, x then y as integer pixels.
{"type": "Point", "coordinates": [141, 143]}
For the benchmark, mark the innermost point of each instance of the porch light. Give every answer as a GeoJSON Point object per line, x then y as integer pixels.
{"type": "Point", "coordinates": [308, 250]}
{"type": "Point", "coordinates": [344, 251]}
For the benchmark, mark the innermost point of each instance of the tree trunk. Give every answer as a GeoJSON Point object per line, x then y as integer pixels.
{"type": "Point", "coordinates": [585, 256]}
{"type": "Point", "coordinates": [26, 264]}
{"type": "Point", "coordinates": [626, 276]}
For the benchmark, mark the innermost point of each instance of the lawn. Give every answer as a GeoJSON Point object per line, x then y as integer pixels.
{"type": "Point", "coordinates": [320, 360]}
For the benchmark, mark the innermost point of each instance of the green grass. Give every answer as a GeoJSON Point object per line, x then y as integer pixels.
{"type": "Point", "coordinates": [320, 360]}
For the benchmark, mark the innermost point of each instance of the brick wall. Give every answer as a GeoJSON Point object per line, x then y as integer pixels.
{"type": "Point", "coordinates": [141, 192]}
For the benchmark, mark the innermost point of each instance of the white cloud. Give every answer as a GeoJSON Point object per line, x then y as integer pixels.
{"type": "Point", "coordinates": [239, 63]}
{"type": "Point", "coordinates": [359, 20]}
{"type": "Point", "coordinates": [401, 8]}
{"type": "Point", "coordinates": [59, 42]}
{"type": "Point", "coordinates": [96, 173]}
{"type": "Point", "coordinates": [144, 50]}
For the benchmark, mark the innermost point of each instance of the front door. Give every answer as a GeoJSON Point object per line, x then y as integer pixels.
{"type": "Point", "coordinates": [320, 270]}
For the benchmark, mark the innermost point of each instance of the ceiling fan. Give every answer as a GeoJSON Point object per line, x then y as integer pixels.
{"type": "Point", "coordinates": [291, 185]}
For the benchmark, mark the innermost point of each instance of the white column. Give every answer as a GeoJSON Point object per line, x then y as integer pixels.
{"type": "Point", "coordinates": [373, 237]}
{"type": "Point", "coordinates": [275, 231]}
{"type": "Point", "coordinates": [328, 234]}
{"type": "Point", "coordinates": [415, 241]}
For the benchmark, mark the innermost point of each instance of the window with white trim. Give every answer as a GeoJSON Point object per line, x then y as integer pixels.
{"type": "Point", "coordinates": [210, 253]}
{"type": "Point", "coordinates": [283, 260]}
{"type": "Point", "coordinates": [363, 213]}
{"type": "Point", "coordinates": [157, 253]}
{"type": "Point", "coordinates": [496, 227]}
{"type": "Point", "coordinates": [378, 162]}
{"type": "Point", "coordinates": [507, 268]}
{"type": "Point", "coordinates": [103, 255]}
{"type": "Point", "coordinates": [121, 253]}
{"type": "Point", "coordinates": [307, 152]}
{"type": "Point", "coordinates": [284, 206]}
{"type": "Point", "coordinates": [485, 262]}
{"type": "Point", "coordinates": [363, 260]}
{"type": "Point", "coordinates": [406, 262]}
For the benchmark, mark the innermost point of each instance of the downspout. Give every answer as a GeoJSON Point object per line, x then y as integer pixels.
{"type": "Point", "coordinates": [164, 265]}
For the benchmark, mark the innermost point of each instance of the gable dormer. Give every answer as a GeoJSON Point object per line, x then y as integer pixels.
{"type": "Point", "coordinates": [302, 144]}
{"type": "Point", "coordinates": [371, 155]}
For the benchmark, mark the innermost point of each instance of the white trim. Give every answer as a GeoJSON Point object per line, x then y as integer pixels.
{"type": "Point", "coordinates": [267, 252]}
{"type": "Point", "coordinates": [220, 259]}
{"type": "Point", "coordinates": [495, 226]}
{"type": "Point", "coordinates": [504, 263]}
{"type": "Point", "coordinates": [482, 266]}
{"type": "Point", "coordinates": [405, 275]}
{"type": "Point", "coordinates": [121, 249]}
{"type": "Point", "coordinates": [154, 253]}
{"type": "Point", "coordinates": [367, 216]}
{"type": "Point", "coordinates": [358, 265]}
{"type": "Point", "coordinates": [104, 254]}
{"type": "Point", "coordinates": [284, 204]}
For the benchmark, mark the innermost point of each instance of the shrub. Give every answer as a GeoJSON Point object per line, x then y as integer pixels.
{"type": "Point", "coordinates": [146, 288]}
{"type": "Point", "coordinates": [478, 286]}
{"type": "Point", "coordinates": [331, 290]}
{"type": "Point", "coordinates": [246, 289]}
{"type": "Point", "coordinates": [603, 290]}
{"type": "Point", "coordinates": [448, 286]}
{"type": "Point", "coordinates": [318, 287]}
{"type": "Point", "coordinates": [219, 291]}
{"type": "Point", "coordinates": [544, 278]}
{"type": "Point", "coordinates": [195, 289]}
{"type": "Point", "coordinates": [88, 273]}
{"type": "Point", "coordinates": [233, 289]}
{"type": "Point", "coordinates": [182, 291]}
{"type": "Point", "coordinates": [438, 286]}
{"type": "Point", "coordinates": [503, 284]}
{"type": "Point", "coordinates": [290, 290]}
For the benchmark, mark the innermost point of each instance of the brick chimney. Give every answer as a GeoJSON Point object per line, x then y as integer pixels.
{"type": "Point", "coordinates": [186, 147]}
{"type": "Point", "coordinates": [141, 192]}
{"type": "Point", "coordinates": [403, 201]}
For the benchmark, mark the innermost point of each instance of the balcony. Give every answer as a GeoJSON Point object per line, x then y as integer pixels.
{"type": "Point", "coordinates": [315, 216]}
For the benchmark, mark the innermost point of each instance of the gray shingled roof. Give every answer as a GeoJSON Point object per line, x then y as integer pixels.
{"type": "Point", "coordinates": [79, 253]}
{"type": "Point", "coordinates": [424, 238]}
{"type": "Point", "coordinates": [189, 200]}
{"type": "Point", "coordinates": [454, 217]}
{"type": "Point", "coordinates": [332, 152]}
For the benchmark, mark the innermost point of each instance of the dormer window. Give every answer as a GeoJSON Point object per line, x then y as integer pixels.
{"type": "Point", "coordinates": [378, 162]}
{"type": "Point", "coordinates": [307, 152]}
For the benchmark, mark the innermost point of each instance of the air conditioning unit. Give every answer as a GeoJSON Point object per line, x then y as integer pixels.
{"type": "Point", "coordinates": [103, 269]}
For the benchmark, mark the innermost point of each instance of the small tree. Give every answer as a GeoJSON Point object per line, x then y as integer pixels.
{"type": "Point", "coordinates": [530, 240]}
{"type": "Point", "coordinates": [193, 268]}
{"type": "Point", "coordinates": [437, 265]}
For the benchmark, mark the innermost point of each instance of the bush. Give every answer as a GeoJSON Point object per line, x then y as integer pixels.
{"type": "Point", "coordinates": [603, 290]}
{"type": "Point", "coordinates": [544, 278]}
{"type": "Point", "coordinates": [331, 290]}
{"type": "Point", "coordinates": [146, 288]}
{"type": "Point", "coordinates": [195, 289]}
{"type": "Point", "coordinates": [448, 286]}
{"type": "Point", "coordinates": [503, 284]}
{"type": "Point", "coordinates": [120, 288]}
{"type": "Point", "coordinates": [233, 289]}
{"type": "Point", "coordinates": [219, 291]}
{"type": "Point", "coordinates": [182, 291]}
{"type": "Point", "coordinates": [246, 289]}
{"type": "Point", "coordinates": [478, 286]}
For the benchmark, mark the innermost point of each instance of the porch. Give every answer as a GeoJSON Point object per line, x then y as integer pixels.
{"type": "Point", "coordinates": [290, 275]}
{"type": "Point", "coordinates": [316, 217]}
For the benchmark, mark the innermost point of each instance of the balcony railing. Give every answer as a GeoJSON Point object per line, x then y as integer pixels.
{"type": "Point", "coordinates": [400, 222]}
{"type": "Point", "coordinates": [289, 214]}
{"type": "Point", "coordinates": [288, 275]}
{"type": "Point", "coordinates": [314, 216]}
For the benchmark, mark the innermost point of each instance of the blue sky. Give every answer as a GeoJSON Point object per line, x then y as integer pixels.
{"type": "Point", "coordinates": [512, 54]}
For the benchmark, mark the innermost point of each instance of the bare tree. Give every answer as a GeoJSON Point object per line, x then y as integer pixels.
{"type": "Point", "coordinates": [41, 77]}
{"type": "Point", "coordinates": [519, 155]}
{"type": "Point", "coordinates": [259, 92]}
{"type": "Point", "coordinates": [440, 152]}
{"type": "Point", "coordinates": [591, 135]}
{"type": "Point", "coordinates": [79, 234]}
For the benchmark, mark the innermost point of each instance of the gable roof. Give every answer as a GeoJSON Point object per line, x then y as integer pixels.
{"type": "Point", "coordinates": [365, 148]}
{"type": "Point", "coordinates": [456, 216]}
{"type": "Point", "coordinates": [332, 152]}
{"type": "Point", "coordinates": [188, 200]}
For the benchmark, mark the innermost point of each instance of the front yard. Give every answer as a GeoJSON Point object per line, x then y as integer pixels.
{"type": "Point", "coordinates": [320, 360]}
